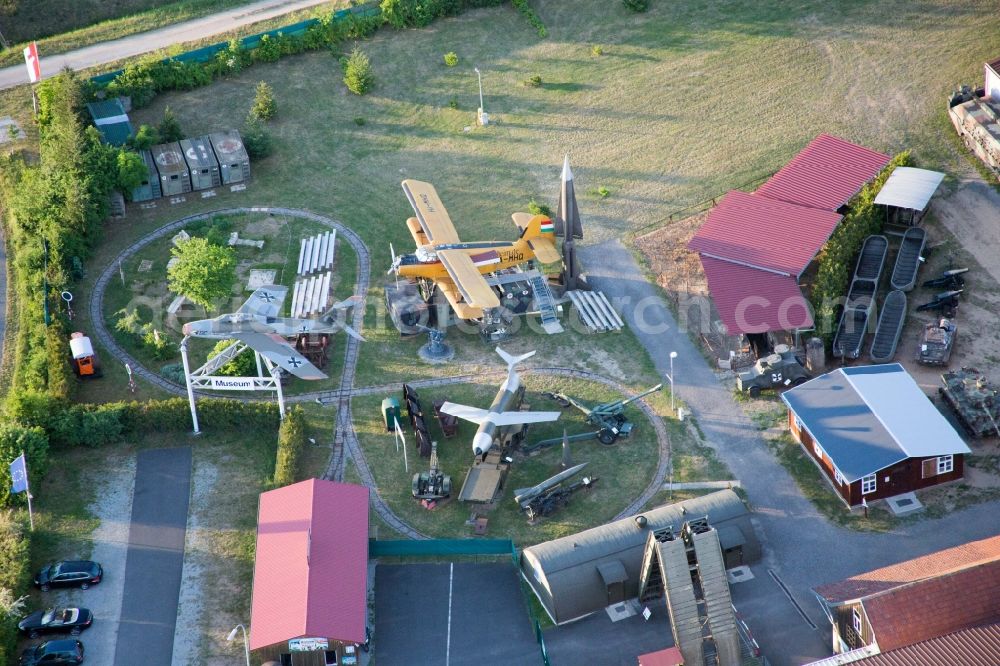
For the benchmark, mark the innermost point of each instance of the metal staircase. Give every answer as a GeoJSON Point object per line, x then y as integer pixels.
{"type": "Point", "coordinates": [715, 589]}
{"type": "Point", "coordinates": [544, 302]}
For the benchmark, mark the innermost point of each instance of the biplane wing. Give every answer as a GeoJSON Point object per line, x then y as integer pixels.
{"type": "Point", "coordinates": [281, 354]}
{"type": "Point", "coordinates": [266, 301]}
{"type": "Point", "coordinates": [431, 213]}
{"type": "Point", "coordinates": [469, 281]}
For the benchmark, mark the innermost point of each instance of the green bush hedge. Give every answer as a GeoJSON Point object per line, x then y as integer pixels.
{"type": "Point", "coordinates": [837, 258]}
{"type": "Point", "coordinates": [15, 576]}
{"type": "Point", "coordinates": [291, 443]}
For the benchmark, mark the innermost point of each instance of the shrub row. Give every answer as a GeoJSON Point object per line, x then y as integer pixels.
{"type": "Point", "coordinates": [15, 576]}
{"type": "Point", "coordinates": [291, 443]}
{"type": "Point", "coordinates": [837, 258]}
{"type": "Point", "coordinates": [529, 13]}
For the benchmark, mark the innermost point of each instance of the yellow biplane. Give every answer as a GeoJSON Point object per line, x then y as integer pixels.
{"type": "Point", "coordinates": [457, 268]}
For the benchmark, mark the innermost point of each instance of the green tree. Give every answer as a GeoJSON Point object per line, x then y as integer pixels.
{"type": "Point", "coordinates": [264, 105]}
{"type": "Point", "coordinates": [145, 138]}
{"type": "Point", "coordinates": [34, 443]}
{"type": "Point", "coordinates": [204, 272]}
{"type": "Point", "coordinates": [170, 127]}
{"type": "Point", "coordinates": [243, 365]}
{"type": "Point", "coordinates": [131, 171]}
{"type": "Point", "coordinates": [358, 76]}
{"type": "Point", "coordinates": [256, 138]}
{"type": "Point", "coordinates": [291, 442]}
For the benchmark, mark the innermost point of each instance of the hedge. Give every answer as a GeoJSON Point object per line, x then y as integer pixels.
{"type": "Point", "coordinates": [15, 576]}
{"type": "Point", "coordinates": [837, 258]}
{"type": "Point", "coordinates": [291, 443]}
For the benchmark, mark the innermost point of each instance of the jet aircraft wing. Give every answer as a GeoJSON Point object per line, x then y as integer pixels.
{"type": "Point", "coordinates": [281, 354]}
{"type": "Point", "coordinates": [266, 301]}
{"type": "Point", "coordinates": [431, 213]}
{"type": "Point", "coordinates": [464, 412]}
{"type": "Point", "coordinates": [519, 418]}
{"type": "Point", "coordinates": [469, 281]}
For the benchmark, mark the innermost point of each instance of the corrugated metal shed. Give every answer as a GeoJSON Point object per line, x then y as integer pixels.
{"type": "Point", "coordinates": [870, 417]}
{"type": "Point", "coordinates": [564, 572]}
{"type": "Point", "coordinates": [310, 573]}
{"type": "Point", "coordinates": [202, 165]}
{"type": "Point", "coordinates": [909, 188]}
{"type": "Point", "coordinates": [150, 187]}
{"type": "Point", "coordinates": [763, 233]}
{"type": "Point", "coordinates": [977, 646]}
{"type": "Point", "coordinates": [234, 163]}
{"type": "Point", "coordinates": [170, 164]}
{"type": "Point", "coordinates": [755, 301]}
{"type": "Point", "coordinates": [825, 174]}
{"type": "Point", "coordinates": [111, 121]}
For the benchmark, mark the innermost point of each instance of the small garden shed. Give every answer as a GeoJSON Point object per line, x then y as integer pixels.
{"type": "Point", "coordinates": [234, 163]}
{"type": "Point", "coordinates": [201, 162]}
{"type": "Point", "coordinates": [174, 175]}
{"type": "Point", "coordinates": [111, 120]}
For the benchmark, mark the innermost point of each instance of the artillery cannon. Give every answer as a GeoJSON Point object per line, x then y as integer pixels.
{"type": "Point", "coordinates": [974, 399]}
{"type": "Point", "coordinates": [946, 302]}
{"type": "Point", "coordinates": [608, 418]}
{"type": "Point", "coordinates": [550, 495]}
{"type": "Point", "coordinates": [433, 484]}
{"type": "Point", "coordinates": [953, 278]}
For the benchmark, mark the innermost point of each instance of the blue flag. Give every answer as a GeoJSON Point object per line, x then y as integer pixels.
{"type": "Point", "coordinates": [19, 475]}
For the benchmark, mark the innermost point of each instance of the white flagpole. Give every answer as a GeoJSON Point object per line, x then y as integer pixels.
{"type": "Point", "coordinates": [27, 490]}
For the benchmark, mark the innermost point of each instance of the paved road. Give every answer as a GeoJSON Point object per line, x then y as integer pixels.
{"type": "Point", "coordinates": [155, 557]}
{"type": "Point", "coordinates": [144, 42]}
{"type": "Point", "coordinates": [801, 548]}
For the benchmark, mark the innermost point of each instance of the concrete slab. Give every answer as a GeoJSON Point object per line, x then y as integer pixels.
{"type": "Point", "coordinates": [260, 277]}
{"type": "Point", "coordinates": [904, 504]}
{"type": "Point", "coordinates": [597, 640]}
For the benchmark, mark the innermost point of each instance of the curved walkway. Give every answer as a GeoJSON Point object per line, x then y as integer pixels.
{"type": "Point", "coordinates": [345, 440]}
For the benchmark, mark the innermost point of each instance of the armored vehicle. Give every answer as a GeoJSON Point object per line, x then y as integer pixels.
{"type": "Point", "coordinates": [977, 122]}
{"type": "Point", "coordinates": [974, 400]}
{"type": "Point", "coordinates": [937, 341]}
{"type": "Point", "coordinates": [775, 370]}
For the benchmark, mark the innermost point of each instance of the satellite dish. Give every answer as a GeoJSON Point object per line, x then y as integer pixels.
{"type": "Point", "coordinates": [66, 296]}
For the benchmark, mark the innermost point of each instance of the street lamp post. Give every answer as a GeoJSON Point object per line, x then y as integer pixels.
{"type": "Point", "coordinates": [673, 355]}
{"type": "Point", "coordinates": [246, 641]}
{"type": "Point", "coordinates": [482, 116]}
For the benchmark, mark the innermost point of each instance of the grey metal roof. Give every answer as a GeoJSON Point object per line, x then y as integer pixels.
{"type": "Point", "coordinates": [622, 535]}
{"type": "Point", "coordinates": [870, 417]}
{"type": "Point", "coordinates": [909, 188]}
{"type": "Point", "coordinates": [198, 153]}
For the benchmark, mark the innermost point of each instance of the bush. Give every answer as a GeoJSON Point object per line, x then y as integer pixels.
{"type": "Point", "coordinates": [34, 443]}
{"type": "Point", "coordinates": [534, 81]}
{"type": "Point", "coordinates": [603, 192]}
{"type": "Point", "coordinates": [173, 372]}
{"type": "Point", "coordinates": [539, 209]}
{"type": "Point", "coordinates": [15, 576]}
{"type": "Point", "coordinates": [358, 76]}
{"type": "Point", "coordinates": [291, 443]}
{"type": "Point", "coordinates": [268, 50]}
{"type": "Point", "coordinates": [597, 50]}
{"type": "Point", "coordinates": [243, 365]}
{"type": "Point", "coordinates": [637, 6]}
{"type": "Point", "coordinates": [264, 105]}
{"type": "Point", "coordinates": [145, 138]}
{"type": "Point", "coordinates": [170, 129]}
{"type": "Point", "coordinates": [450, 59]}
{"type": "Point", "coordinates": [359, 121]}
{"type": "Point", "coordinates": [528, 13]}
{"type": "Point", "coordinates": [256, 139]}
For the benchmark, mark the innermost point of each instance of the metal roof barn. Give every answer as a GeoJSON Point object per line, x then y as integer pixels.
{"type": "Point", "coordinates": [111, 121]}
{"type": "Point", "coordinates": [755, 301]}
{"type": "Point", "coordinates": [170, 164]}
{"type": "Point", "coordinates": [573, 575]}
{"type": "Point", "coordinates": [762, 233]}
{"type": "Point", "coordinates": [234, 163]}
{"type": "Point", "coordinates": [202, 165]}
{"type": "Point", "coordinates": [825, 174]}
{"type": "Point", "coordinates": [310, 580]}
{"type": "Point", "coordinates": [150, 187]}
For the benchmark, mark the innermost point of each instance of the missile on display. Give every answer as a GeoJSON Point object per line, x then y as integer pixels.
{"type": "Point", "coordinates": [523, 496]}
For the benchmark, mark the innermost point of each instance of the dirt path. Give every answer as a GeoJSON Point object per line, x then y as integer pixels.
{"type": "Point", "coordinates": [972, 215]}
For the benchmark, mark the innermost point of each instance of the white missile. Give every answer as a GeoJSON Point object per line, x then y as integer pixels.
{"type": "Point", "coordinates": [497, 415]}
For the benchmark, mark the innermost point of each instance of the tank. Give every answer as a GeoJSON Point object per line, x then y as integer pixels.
{"type": "Point", "coordinates": [773, 371]}
{"type": "Point", "coordinates": [978, 123]}
{"type": "Point", "coordinates": [936, 342]}
{"type": "Point", "coordinates": [974, 400]}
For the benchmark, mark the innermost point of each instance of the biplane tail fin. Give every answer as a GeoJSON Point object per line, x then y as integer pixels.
{"type": "Point", "coordinates": [539, 226]}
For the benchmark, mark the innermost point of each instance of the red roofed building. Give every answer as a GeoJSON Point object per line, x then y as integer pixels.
{"type": "Point", "coordinates": [754, 301]}
{"type": "Point", "coordinates": [310, 579]}
{"type": "Point", "coordinates": [825, 174]}
{"type": "Point", "coordinates": [669, 657]}
{"type": "Point", "coordinates": [917, 600]}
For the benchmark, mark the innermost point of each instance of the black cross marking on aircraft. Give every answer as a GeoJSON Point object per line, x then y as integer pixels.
{"type": "Point", "coordinates": [266, 296]}
{"type": "Point", "coordinates": [294, 362]}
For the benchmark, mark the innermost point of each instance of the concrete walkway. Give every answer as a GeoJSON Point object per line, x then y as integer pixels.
{"type": "Point", "coordinates": [801, 549]}
{"type": "Point", "coordinates": [144, 42]}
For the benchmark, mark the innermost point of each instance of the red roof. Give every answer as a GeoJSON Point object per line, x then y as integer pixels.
{"type": "Point", "coordinates": [764, 233]}
{"type": "Point", "coordinates": [978, 646]}
{"type": "Point", "coordinates": [934, 564]}
{"type": "Point", "coordinates": [935, 606]}
{"type": "Point", "coordinates": [755, 301]}
{"type": "Point", "coordinates": [669, 657]}
{"type": "Point", "coordinates": [826, 174]}
{"type": "Point", "coordinates": [310, 576]}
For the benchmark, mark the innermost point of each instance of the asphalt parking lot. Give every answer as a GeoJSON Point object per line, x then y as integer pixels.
{"type": "Point", "coordinates": [451, 615]}
{"type": "Point", "coordinates": [597, 640]}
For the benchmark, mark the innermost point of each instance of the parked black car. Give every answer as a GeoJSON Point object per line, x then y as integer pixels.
{"type": "Point", "coordinates": [82, 574]}
{"type": "Point", "coordinates": [56, 621]}
{"type": "Point", "coordinates": [53, 652]}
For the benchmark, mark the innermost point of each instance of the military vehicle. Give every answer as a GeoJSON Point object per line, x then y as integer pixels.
{"type": "Point", "coordinates": [936, 342]}
{"type": "Point", "coordinates": [550, 495]}
{"type": "Point", "coordinates": [952, 279]}
{"type": "Point", "coordinates": [974, 400]}
{"type": "Point", "coordinates": [977, 122]}
{"type": "Point", "coordinates": [773, 371]}
{"type": "Point", "coordinates": [608, 418]}
{"type": "Point", "coordinates": [432, 484]}
{"type": "Point", "coordinates": [946, 302]}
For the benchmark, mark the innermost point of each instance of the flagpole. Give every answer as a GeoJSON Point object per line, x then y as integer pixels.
{"type": "Point", "coordinates": [27, 490]}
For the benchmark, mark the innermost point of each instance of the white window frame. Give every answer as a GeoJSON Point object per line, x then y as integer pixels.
{"type": "Point", "coordinates": [818, 449]}
{"type": "Point", "coordinates": [797, 421]}
{"type": "Point", "coordinates": [945, 464]}
{"type": "Point", "coordinates": [856, 621]}
{"type": "Point", "coordinates": [838, 477]}
{"type": "Point", "coordinates": [869, 484]}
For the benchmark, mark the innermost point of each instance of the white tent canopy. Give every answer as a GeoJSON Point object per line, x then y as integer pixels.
{"type": "Point", "coordinates": [909, 188]}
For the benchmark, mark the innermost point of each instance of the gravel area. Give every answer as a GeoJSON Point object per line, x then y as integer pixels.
{"type": "Point", "coordinates": [113, 507]}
